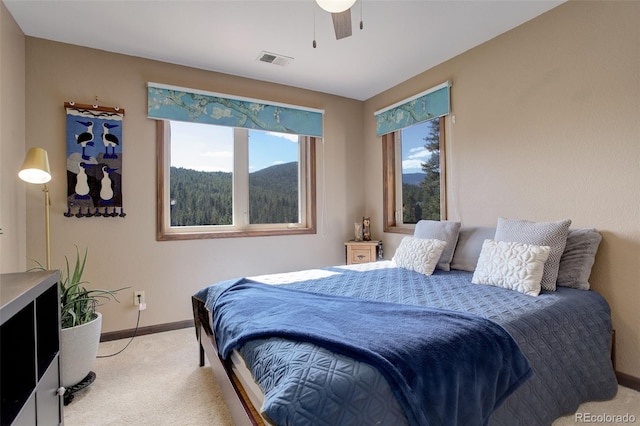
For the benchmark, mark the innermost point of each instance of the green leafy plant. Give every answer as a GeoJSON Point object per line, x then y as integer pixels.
{"type": "Point", "coordinates": [77, 303]}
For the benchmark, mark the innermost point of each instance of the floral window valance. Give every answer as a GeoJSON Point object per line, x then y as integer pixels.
{"type": "Point", "coordinates": [424, 106]}
{"type": "Point", "coordinates": [182, 104]}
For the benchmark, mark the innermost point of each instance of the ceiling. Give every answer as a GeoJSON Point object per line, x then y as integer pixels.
{"type": "Point", "coordinates": [400, 39]}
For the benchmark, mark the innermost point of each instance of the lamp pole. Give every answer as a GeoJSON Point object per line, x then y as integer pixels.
{"type": "Point", "coordinates": [47, 205]}
{"type": "Point", "coordinates": [35, 169]}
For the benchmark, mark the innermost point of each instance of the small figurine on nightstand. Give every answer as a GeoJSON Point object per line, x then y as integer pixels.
{"type": "Point", "coordinates": [357, 230]}
{"type": "Point", "coordinates": [366, 229]}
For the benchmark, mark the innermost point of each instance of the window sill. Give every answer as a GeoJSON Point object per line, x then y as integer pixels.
{"type": "Point", "coordinates": [176, 236]}
{"type": "Point", "coordinates": [407, 229]}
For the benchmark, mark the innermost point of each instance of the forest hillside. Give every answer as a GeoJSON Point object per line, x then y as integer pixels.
{"type": "Point", "coordinates": [205, 198]}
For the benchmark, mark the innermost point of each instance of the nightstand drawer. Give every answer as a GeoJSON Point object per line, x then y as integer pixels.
{"type": "Point", "coordinates": [362, 251]}
{"type": "Point", "coordinates": [359, 255]}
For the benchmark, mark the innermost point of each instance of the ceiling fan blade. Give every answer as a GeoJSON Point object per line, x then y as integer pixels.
{"type": "Point", "coordinates": [342, 24]}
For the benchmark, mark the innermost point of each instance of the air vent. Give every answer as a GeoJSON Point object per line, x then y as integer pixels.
{"type": "Point", "coordinates": [274, 58]}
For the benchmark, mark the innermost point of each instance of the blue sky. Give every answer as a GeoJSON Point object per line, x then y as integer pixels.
{"type": "Point", "coordinates": [210, 148]}
{"type": "Point", "coordinates": [413, 151]}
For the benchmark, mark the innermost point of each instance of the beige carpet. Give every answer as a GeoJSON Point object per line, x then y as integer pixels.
{"type": "Point", "coordinates": [157, 381]}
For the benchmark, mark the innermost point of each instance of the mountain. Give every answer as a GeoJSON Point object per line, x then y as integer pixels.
{"type": "Point", "coordinates": [273, 194]}
{"type": "Point", "coordinates": [205, 198]}
{"type": "Point", "coordinates": [413, 178]}
{"type": "Point", "coordinates": [279, 177]}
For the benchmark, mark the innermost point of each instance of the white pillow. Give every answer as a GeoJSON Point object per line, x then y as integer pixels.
{"type": "Point", "coordinates": [419, 254]}
{"type": "Point", "coordinates": [511, 265]}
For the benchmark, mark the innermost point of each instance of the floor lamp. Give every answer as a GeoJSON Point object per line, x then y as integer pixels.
{"type": "Point", "coordinates": [35, 169]}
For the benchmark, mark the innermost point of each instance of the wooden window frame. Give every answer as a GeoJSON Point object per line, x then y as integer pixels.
{"type": "Point", "coordinates": [162, 206]}
{"type": "Point", "coordinates": [389, 183]}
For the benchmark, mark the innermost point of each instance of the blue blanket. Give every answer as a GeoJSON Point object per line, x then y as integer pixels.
{"type": "Point", "coordinates": [444, 367]}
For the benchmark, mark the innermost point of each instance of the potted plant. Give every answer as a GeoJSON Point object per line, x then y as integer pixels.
{"type": "Point", "coordinates": [81, 323]}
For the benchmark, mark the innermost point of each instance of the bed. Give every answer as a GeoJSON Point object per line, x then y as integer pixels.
{"type": "Point", "coordinates": [553, 349]}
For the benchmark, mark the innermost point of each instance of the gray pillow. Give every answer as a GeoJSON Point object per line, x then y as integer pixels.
{"type": "Point", "coordinates": [578, 257]}
{"type": "Point", "coordinates": [470, 239]}
{"type": "Point", "coordinates": [444, 230]}
{"type": "Point", "coordinates": [552, 234]}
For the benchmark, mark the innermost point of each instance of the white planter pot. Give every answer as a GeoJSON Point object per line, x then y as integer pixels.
{"type": "Point", "coordinates": [78, 350]}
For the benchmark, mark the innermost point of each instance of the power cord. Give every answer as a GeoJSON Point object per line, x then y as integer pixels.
{"type": "Point", "coordinates": [135, 331]}
{"type": "Point", "coordinates": [71, 390]}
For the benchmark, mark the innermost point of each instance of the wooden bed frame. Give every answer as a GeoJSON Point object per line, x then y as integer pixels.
{"type": "Point", "coordinates": [242, 411]}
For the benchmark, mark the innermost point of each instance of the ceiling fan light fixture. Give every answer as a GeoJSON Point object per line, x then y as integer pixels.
{"type": "Point", "coordinates": [335, 6]}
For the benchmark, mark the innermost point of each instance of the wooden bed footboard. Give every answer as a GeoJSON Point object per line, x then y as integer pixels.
{"type": "Point", "coordinates": [242, 411]}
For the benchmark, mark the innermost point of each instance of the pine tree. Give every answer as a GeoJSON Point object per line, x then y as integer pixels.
{"type": "Point", "coordinates": [430, 199]}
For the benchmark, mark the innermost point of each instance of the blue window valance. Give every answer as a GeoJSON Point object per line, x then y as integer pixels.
{"type": "Point", "coordinates": [196, 106]}
{"type": "Point", "coordinates": [424, 106]}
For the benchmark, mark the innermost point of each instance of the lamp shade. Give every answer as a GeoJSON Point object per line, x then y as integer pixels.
{"type": "Point", "coordinates": [35, 168]}
{"type": "Point", "coordinates": [335, 6]}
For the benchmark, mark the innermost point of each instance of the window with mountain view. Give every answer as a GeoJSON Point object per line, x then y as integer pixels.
{"type": "Point", "coordinates": [274, 177]}
{"type": "Point", "coordinates": [223, 182]}
{"type": "Point", "coordinates": [413, 189]}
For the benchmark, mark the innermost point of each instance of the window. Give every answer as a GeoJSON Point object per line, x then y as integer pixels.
{"type": "Point", "coordinates": [413, 167]}
{"type": "Point", "coordinates": [216, 181]}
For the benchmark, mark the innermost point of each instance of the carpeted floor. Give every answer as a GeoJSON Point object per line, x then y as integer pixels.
{"type": "Point", "coordinates": [157, 381]}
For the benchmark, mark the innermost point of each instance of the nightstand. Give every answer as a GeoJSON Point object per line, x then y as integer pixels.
{"type": "Point", "coordinates": [363, 251]}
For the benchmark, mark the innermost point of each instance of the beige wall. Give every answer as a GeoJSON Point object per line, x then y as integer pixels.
{"type": "Point", "coordinates": [12, 144]}
{"type": "Point", "coordinates": [124, 252]}
{"type": "Point", "coordinates": [547, 127]}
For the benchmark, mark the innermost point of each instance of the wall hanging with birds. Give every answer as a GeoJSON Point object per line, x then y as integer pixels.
{"type": "Point", "coordinates": [94, 161]}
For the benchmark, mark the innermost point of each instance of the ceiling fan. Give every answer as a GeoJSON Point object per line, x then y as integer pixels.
{"type": "Point", "coordinates": [341, 14]}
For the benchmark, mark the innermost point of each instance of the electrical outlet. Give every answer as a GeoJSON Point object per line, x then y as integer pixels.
{"type": "Point", "coordinates": [138, 298]}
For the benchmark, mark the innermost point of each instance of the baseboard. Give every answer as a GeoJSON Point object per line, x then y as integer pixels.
{"type": "Point", "coordinates": [159, 328]}
{"type": "Point", "coordinates": [628, 381]}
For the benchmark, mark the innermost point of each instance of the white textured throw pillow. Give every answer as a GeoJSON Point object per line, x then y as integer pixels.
{"type": "Point", "coordinates": [511, 265]}
{"type": "Point", "coordinates": [419, 254]}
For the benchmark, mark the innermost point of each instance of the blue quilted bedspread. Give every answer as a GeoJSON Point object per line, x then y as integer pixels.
{"type": "Point", "coordinates": [565, 335]}
{"type": "Point", "coordinates": [466, 365]}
